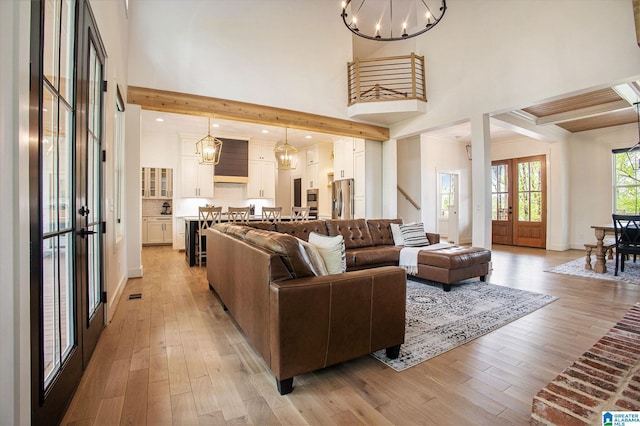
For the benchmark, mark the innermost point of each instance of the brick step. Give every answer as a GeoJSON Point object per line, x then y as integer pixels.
{"type": "Point", "coordinates": [605, 378]}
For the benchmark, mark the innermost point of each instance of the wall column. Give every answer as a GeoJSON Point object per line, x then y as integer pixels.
{"type": "Point", "coordinates": [133, 199]}
{"type": "Point", "coordinates": [390, 179]}
{"type": "Point", "coordinates": [481, 180]}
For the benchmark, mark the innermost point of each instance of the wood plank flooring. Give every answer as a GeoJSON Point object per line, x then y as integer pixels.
{"type": "Point", "coordinates": [175, 357]}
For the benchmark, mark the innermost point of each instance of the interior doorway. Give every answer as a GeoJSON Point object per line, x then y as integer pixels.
{"type": "Point", "coordinates": [297, 192]}
{"type": "Point", "coordinates": [448, 196]}
{"type": "Point", "coordinates": [519, 201]}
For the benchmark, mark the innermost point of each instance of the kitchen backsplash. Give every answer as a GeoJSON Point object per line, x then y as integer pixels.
{"type": "Point", "coordinates": [154, 207]}
{"type": "Point", "coordinates": [225, 195]}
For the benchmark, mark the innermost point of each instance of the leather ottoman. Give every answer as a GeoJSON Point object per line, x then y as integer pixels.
{"type": "Point", "coordinates": [453, 264]}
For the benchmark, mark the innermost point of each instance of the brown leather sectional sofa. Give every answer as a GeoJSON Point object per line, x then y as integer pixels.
{"type": "Point", "coordinates": [299, 322]}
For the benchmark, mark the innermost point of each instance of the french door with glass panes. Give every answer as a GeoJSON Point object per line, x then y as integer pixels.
{"type": "Point", "coordinates": [66, 214]}
{"type": "Point", "coordinates": [518, 201]}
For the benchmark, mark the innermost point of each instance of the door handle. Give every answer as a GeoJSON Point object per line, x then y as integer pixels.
{"type": "Point", "coordinates": [84, 231]}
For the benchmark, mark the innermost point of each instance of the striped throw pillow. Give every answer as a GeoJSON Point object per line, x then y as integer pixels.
{"type": "Point", "coordinates": [414, 235]}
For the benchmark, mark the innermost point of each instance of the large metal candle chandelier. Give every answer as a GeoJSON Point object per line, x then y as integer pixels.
{"type": "Point", "coordinates": [389, 20]}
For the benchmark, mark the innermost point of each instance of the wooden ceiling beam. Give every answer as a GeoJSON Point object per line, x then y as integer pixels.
{"type": "Point", "coordinates": [184, 103]}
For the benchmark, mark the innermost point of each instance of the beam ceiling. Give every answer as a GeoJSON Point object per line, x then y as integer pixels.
{"type": "Point", "coordinates": [184, 103]}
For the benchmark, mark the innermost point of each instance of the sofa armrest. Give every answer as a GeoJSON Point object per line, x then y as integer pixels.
{"type": "Point", "coordinates": [320, 321]}
{"type": "Point", "coordinates": [433, 238]}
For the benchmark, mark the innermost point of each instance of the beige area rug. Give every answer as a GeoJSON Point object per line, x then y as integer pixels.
{"type": "Point", "coordinates": [438, 321]}
{"type": "Point", "coordinates": [631, 272]}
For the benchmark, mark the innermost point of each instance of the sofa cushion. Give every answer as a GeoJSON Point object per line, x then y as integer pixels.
{"type": "Point", "coordinates": [238, 231]}
{"type": "Point", "coordinates": [269, 226]}
{"type": "Point", "coordinates": [302, 229]}
{"type": "Point", "coordinates": [314, 257]}
{"type": "Point", "coordinates": [367, 257]}
{"type": "Point", "coordinates": [354, 231]}
{"type": "Point", "coordinates": [414, 235]}
{"type": "Point", "coordinates": [332, 251]}
{"type": "Point", "coordinates": [397, 234]}
{"type": "Point", "coordinates": [286, 246]}
{"type": "Point", "coordinates": [380, 230]}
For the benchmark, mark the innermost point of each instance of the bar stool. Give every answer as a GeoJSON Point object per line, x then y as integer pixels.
{"type": "Point", "coordinates": [299, 213]}
{"type": "Point", "coordinates": [238, 214]}
{"type": "Point", "coordinates": [207, 216]}
{"type": "Point", "coordinates": [272, 214]}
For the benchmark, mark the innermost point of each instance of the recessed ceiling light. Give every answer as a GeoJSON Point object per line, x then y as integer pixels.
{"type": "Point", "coordinates": [308, 137]}
{"type": "Point", "coordinates": [215, 125]}
{"type": "Point", "coordinates": [265, 131]}
{"type": "Point", "coordinates": [159, 119]}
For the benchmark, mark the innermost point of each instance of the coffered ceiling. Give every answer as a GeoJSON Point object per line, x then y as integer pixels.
{"type": "Point", "coordinates": [612, 106]}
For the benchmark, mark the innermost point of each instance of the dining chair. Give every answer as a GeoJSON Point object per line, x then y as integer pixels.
{"type": "Point", "coordinates": [299, 213]}
{"type": "Point", "coordinates": [238, 214]}
{"type": "Point", "coordinates": [627, 232]}
{"type": "Point", "coordinates": [272, 214]}
{"type": "Point", "coordinates": [207, 216]}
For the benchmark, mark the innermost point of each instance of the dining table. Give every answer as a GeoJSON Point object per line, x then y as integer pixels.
{"type": "Point", "coordinates": [601, 231]}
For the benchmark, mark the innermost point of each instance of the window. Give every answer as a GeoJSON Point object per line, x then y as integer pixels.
{"type": "Point", "coordinates": [447, 193]}
{"type": "Point", "coordinates": [626, 181]}
{"type": "Point", "coordinates": [500, 192]}
{"type": "Point", "coordinates": [530, 191]}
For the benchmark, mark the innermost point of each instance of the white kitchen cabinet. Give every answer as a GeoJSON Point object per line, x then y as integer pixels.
{"type": "Point", "coordinates": [343, 158]}
{"type": "Point", "coordinates": [319, 165]}
{"type": "Point", "coordinates": [367, 181]}
{"type": "Point", "coordinates": [157, 182]}
{"type": "Point", "coordinates": [262, 179]}
{"type": "Point", "coordinates": [197, 179]}
{"type": "Point", "coordinates": [312, 175]}
{"type": "Point", "coordinates": [262, 171]}
{"type": "Point", "coordinates": [312, 155]}
{"type": "Point", "coordinates": [261, 152]}
{"type": "Point", "coordinates": [159, 230]}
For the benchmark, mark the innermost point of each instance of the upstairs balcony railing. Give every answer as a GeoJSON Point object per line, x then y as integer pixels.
{"type": "Point", "coordinates": [386, 79]}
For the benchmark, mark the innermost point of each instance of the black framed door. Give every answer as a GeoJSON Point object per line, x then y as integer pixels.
{"type": "Point", "coordinates": [89, 155]}
{"type": "Point", "coordinates": [65, 168]}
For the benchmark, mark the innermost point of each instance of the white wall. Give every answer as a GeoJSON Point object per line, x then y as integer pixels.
{"type": "Point", "coordinates": [15, 355]}
{"type": "Point", "coordinates": [284, 53]}
{"type": "Point", "coordinates": [445, 156]}
{"type": "Point", "coordinates": [591, 178]}
{"type": "Point", "coordinates": [111, 20]}
{"type": "Point", "coordinates": [408, 152]}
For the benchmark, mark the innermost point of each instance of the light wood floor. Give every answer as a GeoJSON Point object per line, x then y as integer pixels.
{"type": "Point", "coordinates": [175, 357]}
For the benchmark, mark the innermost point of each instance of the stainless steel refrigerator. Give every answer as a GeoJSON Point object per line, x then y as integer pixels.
{"type": "Point", "coordinates": [342, 199]}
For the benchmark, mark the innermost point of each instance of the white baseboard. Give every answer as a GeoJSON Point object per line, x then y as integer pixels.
{"type": "Point", "coordinates": [136, 273]}
{"type": "Point", "coordinates": [114, 299]}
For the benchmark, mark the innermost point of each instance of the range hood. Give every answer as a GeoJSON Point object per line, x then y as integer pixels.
{"type": "Point", "coordinates": [234, 162]}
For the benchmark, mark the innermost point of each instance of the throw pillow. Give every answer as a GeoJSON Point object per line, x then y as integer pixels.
{"type": "Point", "coordinates": [414, 235]}
{"type": "Point", "coordinates": [332, 251]}
{"type": "Point", "coordinates": [397, 234]}
{"type": "Point", "coordinates": [313, 257]}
